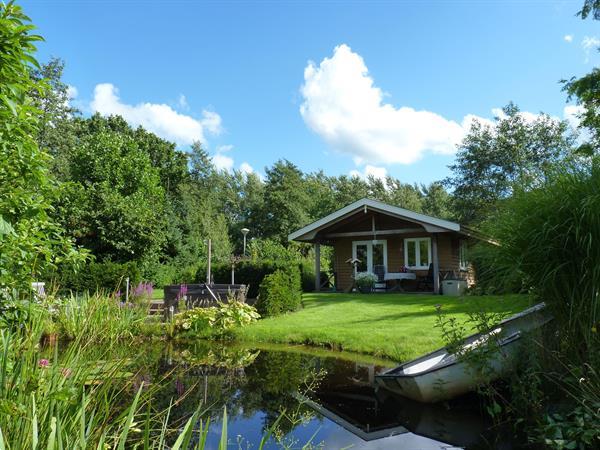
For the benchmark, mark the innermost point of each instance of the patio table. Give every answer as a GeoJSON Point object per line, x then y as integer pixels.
{"type": "Point", "coordinates": [399, 276]}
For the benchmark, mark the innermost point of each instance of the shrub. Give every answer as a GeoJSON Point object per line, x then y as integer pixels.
{"type": "Point", "coordinates": [249, 273]}
{"type": "Point", "coordinates": [96, 276]}
{"type": "Point", "coordinates": [197, 322]}
{"type": "Point", "coordinates": [280, 292]}
{"type": "Point", "coordinates": [215, 321]}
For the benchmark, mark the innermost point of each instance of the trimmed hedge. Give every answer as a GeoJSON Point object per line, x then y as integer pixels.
{"type": "Point", "coordinates": [96, 276]}
{"type": "Point", "coordinates": [280, 292]}
{"type": "Point", "coordinates": [253, 273]}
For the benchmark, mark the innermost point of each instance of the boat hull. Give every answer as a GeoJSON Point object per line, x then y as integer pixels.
{"type": "Point", "coordinates": [450, 381]}
{"type": "Point", "coordinates": [441, 375]}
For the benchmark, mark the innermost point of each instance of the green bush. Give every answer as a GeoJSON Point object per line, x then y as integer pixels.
{"type": "Point", "coordinates": [96, 276]}
{"type": "Point", "coordinates": [215, 321]}
{"type": "Point", "coordinates": [280, 292]}
{"type": "Point", "coordinates": [249, 273]}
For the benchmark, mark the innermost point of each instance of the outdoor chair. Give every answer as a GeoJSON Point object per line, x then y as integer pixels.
{"type": "Point", "coordinates": [379, 271]}
{"type": "Point", "coordinates": [426, 283]}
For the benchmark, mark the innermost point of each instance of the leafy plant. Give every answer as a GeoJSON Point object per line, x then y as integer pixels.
{"type": "Point", "coordinates": [216, 321]}
{"type": "Point", "coordinates": [280, 292]}
{"type": "Point", "coordinates": [365, 279]}
{"type": "Point", "coordinates": [30, 241]}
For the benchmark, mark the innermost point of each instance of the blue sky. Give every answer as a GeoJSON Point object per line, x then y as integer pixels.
{"type": "Point", "coordinates": [347, 87]}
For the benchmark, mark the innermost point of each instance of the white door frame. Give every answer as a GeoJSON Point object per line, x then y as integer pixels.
{"type": "Point", "coordinates": [369, 245]}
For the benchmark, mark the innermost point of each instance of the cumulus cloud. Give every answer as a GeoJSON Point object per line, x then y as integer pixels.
{"type": "Point", "coordinates": [342, 104]}
{"type": "Point", "coordinates": [222, 162]}
{"type": "Point", "coordinates": [379, 173]}
{"type": "Point", "coordinates": [568, 38]}
{"type": "Point", "coordinates": [246, 168]}
{"type": "Point", "coordinates": [72, 92]}
{"type": "Point", "coordinates": [158, 118]}
{"type": "Point", "coordinates": [572, 113]}
{"type": "Point", "coordinates": [588, 44]}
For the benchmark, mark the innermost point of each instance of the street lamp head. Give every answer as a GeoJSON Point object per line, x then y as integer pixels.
{"type": "Point", "coordinates": [245, 231]}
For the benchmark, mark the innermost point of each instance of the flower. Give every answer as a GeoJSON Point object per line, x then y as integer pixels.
{"type": "Point", "coordinates": [43, 363]}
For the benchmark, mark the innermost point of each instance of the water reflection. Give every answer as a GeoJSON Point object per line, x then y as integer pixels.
{"type": "Point", "coordinates": [328, 401]}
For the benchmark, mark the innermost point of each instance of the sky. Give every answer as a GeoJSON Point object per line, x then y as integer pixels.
{"type": "Point", "coordinates": [347, 87]}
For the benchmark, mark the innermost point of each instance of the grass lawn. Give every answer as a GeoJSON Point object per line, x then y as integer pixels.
{"type": "Point", "coordinates": [397, 326]}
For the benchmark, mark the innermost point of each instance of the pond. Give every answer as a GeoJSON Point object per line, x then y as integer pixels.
{"type": "Point", "coordinates": [327, 398]}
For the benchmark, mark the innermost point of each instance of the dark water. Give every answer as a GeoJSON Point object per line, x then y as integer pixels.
{"type": "Point", "coordinates": [327, 399]}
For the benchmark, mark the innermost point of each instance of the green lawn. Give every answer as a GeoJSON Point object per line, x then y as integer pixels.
{"type": "Point", "coordinates": [398, 326]}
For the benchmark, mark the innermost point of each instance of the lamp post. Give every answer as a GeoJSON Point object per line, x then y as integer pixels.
{"type": "Point", "coordinates": [245, 232]}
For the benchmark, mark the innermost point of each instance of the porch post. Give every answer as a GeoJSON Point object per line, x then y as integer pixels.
{"type": "Point", "coordinates": [317, 267]}
{"type": "Point", "coordinates": [436, 264]}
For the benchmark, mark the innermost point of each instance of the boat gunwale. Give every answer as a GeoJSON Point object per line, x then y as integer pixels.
{"type": "Point", "coordinates": [392, 372]}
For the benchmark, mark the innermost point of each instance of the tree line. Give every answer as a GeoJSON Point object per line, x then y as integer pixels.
{"type": "Point", "coordinates": [123, 194]}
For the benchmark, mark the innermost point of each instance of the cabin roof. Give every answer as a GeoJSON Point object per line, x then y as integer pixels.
{"type": "Point", "coordinates": [429, 223]}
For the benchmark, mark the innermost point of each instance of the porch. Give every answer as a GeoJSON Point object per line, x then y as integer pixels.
{"type": "Point", "coordinates": [370, 236]}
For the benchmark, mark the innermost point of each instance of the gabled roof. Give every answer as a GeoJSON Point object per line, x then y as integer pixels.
{"type": "Point", "coordinates": [431, 224]}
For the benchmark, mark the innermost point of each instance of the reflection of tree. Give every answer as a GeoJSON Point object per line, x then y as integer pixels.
{"type": "Point", "coordinates": [204, 374]}
{"type": "Point", "coordinates": [272, 380]}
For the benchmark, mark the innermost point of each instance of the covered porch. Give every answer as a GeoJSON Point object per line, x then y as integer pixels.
{"type": "Point", "coordinates": [394, 243]}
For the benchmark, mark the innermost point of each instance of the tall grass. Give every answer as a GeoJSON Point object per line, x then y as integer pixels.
{"type": "Point", "coordinates": [550, 245]}
{"type": "Point", "coordinates": [99, 317]}
{"type": "Point", "coordinates": [550, 242]}
{"type": "Point", "coordinates": [81, 395]}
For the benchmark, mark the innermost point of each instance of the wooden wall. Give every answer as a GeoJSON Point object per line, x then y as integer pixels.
{"type": "Point", "coordinates": [448, 245]}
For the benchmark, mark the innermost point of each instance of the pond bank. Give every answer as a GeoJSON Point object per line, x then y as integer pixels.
{"type": "Point", "coordinates": [393, 326]}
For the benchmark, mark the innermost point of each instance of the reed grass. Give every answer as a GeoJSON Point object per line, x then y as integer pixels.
{"type": "Point", "coordinates": [81, 395]}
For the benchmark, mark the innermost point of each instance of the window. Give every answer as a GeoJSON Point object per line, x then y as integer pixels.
{"type": "Point", "coordinates": [370, 253]}
{"type": "Point", "coordinates": [417, 253]}
{"type": "Point", "coordinates": [462, 255]}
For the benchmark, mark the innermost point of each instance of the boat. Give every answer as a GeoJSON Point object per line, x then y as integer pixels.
{"type": "Point", "coordinates": [443, 375]}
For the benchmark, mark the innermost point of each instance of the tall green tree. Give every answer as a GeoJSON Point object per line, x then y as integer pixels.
{"type": "Point", "coordinates": [494, 161]}
{"type": "Point", "coordinates": [56, 134]}
{"type": "Point", "coordinates": [114, 204]}
{"type": "Point", "coordinates": [586, 91]}
{"type": "Point", "coordinates": [286, 201]}
{"type": "Point", "coordinates": [30, 241]}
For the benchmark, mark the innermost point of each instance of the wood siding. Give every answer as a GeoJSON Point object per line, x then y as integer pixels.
{"type": "Point", "coordinates": [448, 253]}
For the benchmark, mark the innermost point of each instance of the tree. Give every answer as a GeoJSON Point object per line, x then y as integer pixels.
{"type": "Point", "coordinates": [286, 201]}
{"type": "Point", "coordinates": [494, 161]}
{"type": "Point", "coordinates": [114, 204]}
{"type": "Point", "coordinates": [30, 241]}
{"type": "Point", "coordinates": [56, 133]}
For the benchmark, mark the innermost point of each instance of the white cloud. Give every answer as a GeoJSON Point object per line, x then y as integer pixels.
{"type": "Point", "coordinates": [588, 44]}
{"type": "Point", "coordinates": [379, 173]}
{"type": "Point", "coordinates": [568, 38]}
{"type": "Point", "coordinates": [246, 168]}
{"type": "Point", "coordinates": [571, 114]}
{"type": "Point", "coordinates": [223, 162]}
{"type": "Point", "coordinates": [160, 119]}
{"type": "Point", "coordinates": [72, 92]}
{"type": "Point", "coordinates": [528, 117]}
{"type": "Point", "coordinates": [343, 106]}
{"type": "Point", "coordinates": [224, 148]}
{"type": "Point", "coordinates": [182, 102]}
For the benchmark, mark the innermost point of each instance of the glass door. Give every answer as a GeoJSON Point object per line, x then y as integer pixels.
{"type": "Point", "coordinates": [370, 254]}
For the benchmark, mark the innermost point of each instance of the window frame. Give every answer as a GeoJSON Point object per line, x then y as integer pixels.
{"type": "Point", "coordinates": [417, 242]}
{"type": "Point", "coordinates": [369, 245]}
{"type": "Point", "coordinates": [463, 262]}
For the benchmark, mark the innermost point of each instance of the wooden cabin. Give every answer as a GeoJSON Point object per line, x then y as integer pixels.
{"type": "Point", "coordinates": [381, 235]}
